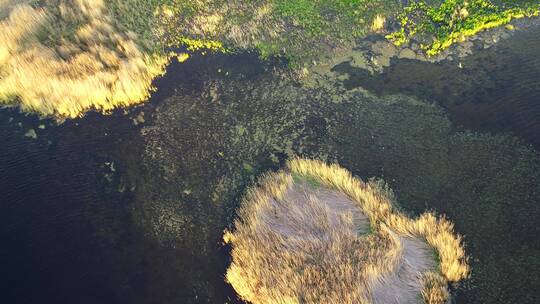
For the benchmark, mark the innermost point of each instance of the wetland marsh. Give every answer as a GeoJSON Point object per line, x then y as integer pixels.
{"type": "Point", "coordinates": [131, 207]}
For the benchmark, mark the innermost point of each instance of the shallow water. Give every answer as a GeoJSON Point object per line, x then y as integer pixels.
{"type": "Point", "coordinates": [98, 210]}
{"type": "Point", "coordinates": [496, 90]}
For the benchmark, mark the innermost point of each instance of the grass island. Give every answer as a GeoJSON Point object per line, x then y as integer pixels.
{"type": "Point", "coordinates": [314, 233]}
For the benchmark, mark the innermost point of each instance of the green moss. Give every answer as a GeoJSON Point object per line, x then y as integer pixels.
{"type": "Point", "coordinates": [310, 180]}
{"type": "Point", "coordinates": [299, 30]}
{"type": "Point", "coordinates": [439, 26]}
{"type": "Point", "coordinates": [316, 23]}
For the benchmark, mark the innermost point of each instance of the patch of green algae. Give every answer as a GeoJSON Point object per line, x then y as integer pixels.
{"type": "Point", "coordinates": [439, 25]}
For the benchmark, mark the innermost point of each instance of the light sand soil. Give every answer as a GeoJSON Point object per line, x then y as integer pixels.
{"type": "Point", "coordinates": [405, 283]}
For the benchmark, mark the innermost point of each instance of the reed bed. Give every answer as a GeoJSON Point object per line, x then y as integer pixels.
{"type": "Point", "coordinates": [63, 58]}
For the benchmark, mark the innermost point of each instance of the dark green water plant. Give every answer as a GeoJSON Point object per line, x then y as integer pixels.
{"type": "Point", "coordinates": [438, 26]}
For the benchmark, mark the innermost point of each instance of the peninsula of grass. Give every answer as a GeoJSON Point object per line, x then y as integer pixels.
{"type": "Point", "coordinates": [62, 58]}
{"type": "Point", "coordinates": [313, 233]}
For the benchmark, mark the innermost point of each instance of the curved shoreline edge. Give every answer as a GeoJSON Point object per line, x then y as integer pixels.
{"type": "Point", "coordinates": [313, 233]}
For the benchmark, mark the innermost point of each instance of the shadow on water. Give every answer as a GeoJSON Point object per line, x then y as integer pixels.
{"type": "Point", "coordinates": [495, 90]}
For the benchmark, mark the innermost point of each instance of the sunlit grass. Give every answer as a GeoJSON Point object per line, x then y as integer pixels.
{"type": "Point", "coordinates": [67, 59]}
{"type": "Point", "coordinates": [438, 231]}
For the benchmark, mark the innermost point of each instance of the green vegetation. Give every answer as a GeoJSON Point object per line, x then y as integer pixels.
{"type": "Point", "coordinates": [63, 58]}
{"type": "Point", "coordinates": [148, 19]}
{"type": "Point", "coordinates": [339, 19]}
{"type": "Point", "coordinates": [309, 180]}
{"type": "Point", "coordinates": [439, 26]}
{"type": "Point", "coordinates": [300, 30]}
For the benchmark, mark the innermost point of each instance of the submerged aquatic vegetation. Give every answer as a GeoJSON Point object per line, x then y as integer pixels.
{"type": "Point", "coordinates": [294, 243]}
{"type": "Point", "coordinates": [431, 167]}
{"type": "Point", "coordinates": [439, 25]}
{"type": "Point", "coordinates": [257, 120]}
{"type": "Point", "coordinates": [219, 132]}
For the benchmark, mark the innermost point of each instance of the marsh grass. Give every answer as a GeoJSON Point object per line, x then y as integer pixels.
{"type": "Point", "coordinates": [291, 248]}
{"type": "Point", "coordinates": [434, 290]}
{"type": "Point", "coordinates": [63, 58]}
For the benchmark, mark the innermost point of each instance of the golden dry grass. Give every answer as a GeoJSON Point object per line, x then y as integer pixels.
{"type": "Point", "coordinates": [434, 291]}
{"type": "Point", "coordinates": [378, 23]}
{"type": "Point", "coordinates": [67, 57]}
{"type": "Point", "coordinates": [302, 246]}
{"type": "Point", "coordinates": [437, 231]}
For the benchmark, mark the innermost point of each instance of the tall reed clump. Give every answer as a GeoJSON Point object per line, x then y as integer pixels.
{"type": "Point", "coordinates": [313, 233]}
{"type": "Point", "coordinates": [63, 58]}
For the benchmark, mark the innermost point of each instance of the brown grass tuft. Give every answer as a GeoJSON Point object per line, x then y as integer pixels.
{"type": "Point", "coordinates": [435, 289]}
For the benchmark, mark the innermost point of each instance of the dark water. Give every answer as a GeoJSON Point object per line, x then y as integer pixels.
{"type": "Point", "coordinates": [493, 91]}
{"type": "Point", "coordinates": [86, 210]}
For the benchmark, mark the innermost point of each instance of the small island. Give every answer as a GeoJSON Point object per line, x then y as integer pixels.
{"type": "Point", "coordinates": [314, 233]}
